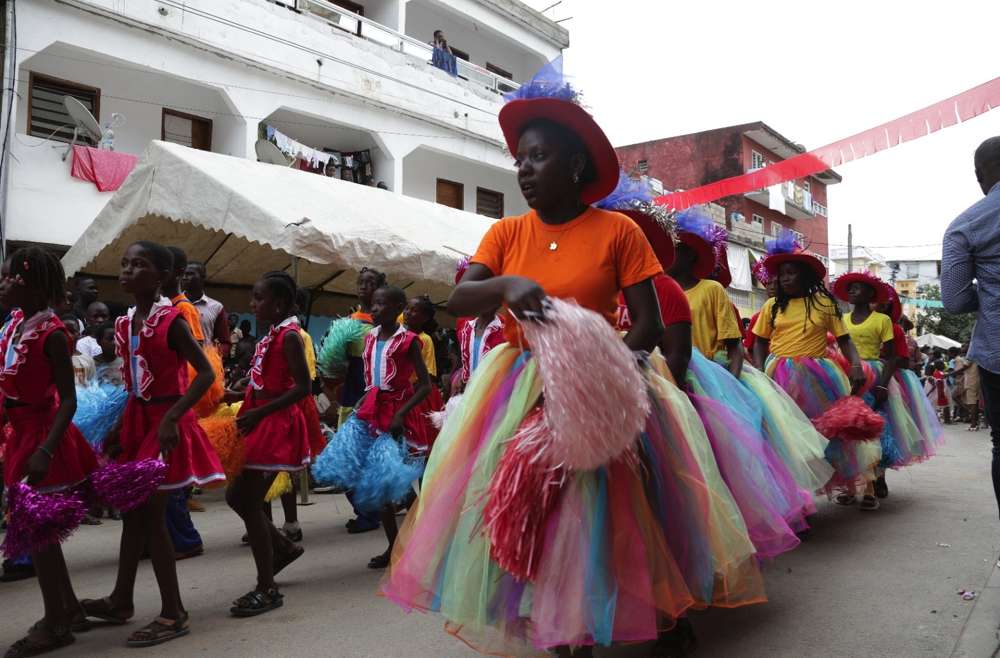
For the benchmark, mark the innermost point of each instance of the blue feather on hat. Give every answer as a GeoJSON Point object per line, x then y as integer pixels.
{"type": "Point", "coordinates": [785, 243]}
{"type": "Point", "coordinates": [548, 82]}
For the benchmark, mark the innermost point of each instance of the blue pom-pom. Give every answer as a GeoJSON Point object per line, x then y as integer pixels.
{"type": "Point", "coordinates": [98, 408]}
{"type": "Point", "coordinates": [785, 243]}
{"type": "Point", "coordinates": [548, 82]}
{"type": "Point", "coordinates": [627, 194]}
{"type": "Point", "coordinates": [343, 458]}
{"type": "Point", "coordinates": [693, 221]}
{"type": "Point", "coordinates": [332, 356]}
{"type": "Point", "coordinates": [388, 475]}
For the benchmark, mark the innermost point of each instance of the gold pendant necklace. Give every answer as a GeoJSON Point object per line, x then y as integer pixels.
{"type": "Point", "coordinates": [555, 244]}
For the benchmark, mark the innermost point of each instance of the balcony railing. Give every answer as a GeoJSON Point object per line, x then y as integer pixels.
{"type": "Point", "coordinates": [370, 30]}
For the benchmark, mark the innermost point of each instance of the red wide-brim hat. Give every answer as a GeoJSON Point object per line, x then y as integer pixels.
{"type": "Point", "coordinates": [661, 241]}
{"type": "Point", "coordinates": [896, 311]}
{"type": "Point", "coordinates": [773, 262]}
{"type": "Point", "coordinates": [722, 273]}
{"type": "Point", "coordinates": [844, 281]}
{"type": "Point", "coordinates": [517, 114]}
{"type": "Point", "coordinates": [704, 264]}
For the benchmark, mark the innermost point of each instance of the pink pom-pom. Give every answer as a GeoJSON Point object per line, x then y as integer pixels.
{"type": "Point", "coordinates": [38, 520]}
{"type": "Point", "coordinates": [127, 486]}
{"type": "Point", "coordinates": [595, 397]}
{"type": "Point", "coordinates": [850, 419]}
{"type": "Point", "coordinates": [437, 418]}
{"type": "Point", "coordinates": [522, 493]}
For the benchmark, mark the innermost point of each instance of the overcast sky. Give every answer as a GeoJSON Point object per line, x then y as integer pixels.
{"type": "Point", "coordinates": [815, 72]}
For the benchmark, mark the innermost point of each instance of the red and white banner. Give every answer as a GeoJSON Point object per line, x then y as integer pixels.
{"type": "Point", "coordinates": [957, 109]}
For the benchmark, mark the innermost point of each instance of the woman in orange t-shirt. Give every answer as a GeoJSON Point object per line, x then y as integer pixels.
{"type": "Point", "coordinates": [602, 564]}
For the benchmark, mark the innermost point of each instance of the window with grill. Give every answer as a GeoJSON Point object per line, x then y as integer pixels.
{"type": "Point", "coordinates": [757, 222]}
{"type": "Point", "coordinates": [489, 203]}
{"type": "Point", "coordinates": [643, 166]}
{"type": "Point", "coordinates": [756, 160]}
{"type": "Point", "coordinates": [47, 116]}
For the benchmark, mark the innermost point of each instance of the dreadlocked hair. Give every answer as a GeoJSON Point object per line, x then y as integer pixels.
{"type": "Point", "coordinates": [425, 304]}
{"type": "Point", "coordinates": [282, 286]}
{"type": "Point", "coordinates": [813, 290]}
{"type": "Point", "coordinates": [41, 272]}
{"type": "Point", "coordinates": [380, 279]}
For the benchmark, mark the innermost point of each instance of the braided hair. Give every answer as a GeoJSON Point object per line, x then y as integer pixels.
{"type": "Point", "coordinates": [426, 306]}
{"type": "Point", "coordinates": [380, 279]}
{"type": "Point", "coordinates": [812, 286]}
{"type": "Point", "coordinates": [40, 272]}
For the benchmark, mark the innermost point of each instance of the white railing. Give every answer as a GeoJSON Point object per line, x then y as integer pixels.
{"type": "Point", "coordinates": [370, 30]}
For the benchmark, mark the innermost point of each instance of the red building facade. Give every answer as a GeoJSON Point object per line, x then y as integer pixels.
{"type": "Point", "coordinates": [688, 161]}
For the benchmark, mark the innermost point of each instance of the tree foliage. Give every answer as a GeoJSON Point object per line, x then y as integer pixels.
{"type": "Point", "coordinates": [941, 322]}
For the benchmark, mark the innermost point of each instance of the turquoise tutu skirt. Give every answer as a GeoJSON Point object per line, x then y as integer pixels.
{"type": "Point", "coordinates": [377, 468]}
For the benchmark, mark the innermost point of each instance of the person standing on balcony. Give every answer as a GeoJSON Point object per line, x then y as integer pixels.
{"type": "Point", "coordinates": [443, 58]}
{"type": "Point", "coordinates": [970, 282]}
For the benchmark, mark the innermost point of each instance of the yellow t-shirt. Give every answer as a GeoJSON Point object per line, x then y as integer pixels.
{"type": "Point", "coordinates": [794, 334]}
{"type": "Point", "coordinates": [427, 352]}
{"type": "Point", "coordinates": [712, 318]}
{"type": "Point", "coordinates": [870, 334]}
{"type": "Point", "coordinates": [307, 343]}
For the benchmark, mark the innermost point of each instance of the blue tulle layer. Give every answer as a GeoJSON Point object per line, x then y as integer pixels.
{"type": "Point", "coordinates": [342, 460]}
{"type": "Point", "coordinates": [388, 475]}
{"type": "Point", "coordinates": [98, 408]}
{"type": "Point", "coordinates": [376, 468]}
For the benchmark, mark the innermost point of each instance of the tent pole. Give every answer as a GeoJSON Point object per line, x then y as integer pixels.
{"type": "Point", "coordinates": [304, 475]}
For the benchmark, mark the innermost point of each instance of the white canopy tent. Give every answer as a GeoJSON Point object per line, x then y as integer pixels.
{"type": "Point", "coordinates": [936, 341]}
{"type": "Point", "coordinates": [242, 218]}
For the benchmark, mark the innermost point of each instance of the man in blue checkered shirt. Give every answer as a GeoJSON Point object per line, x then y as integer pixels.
{"type": "Point", "coordinates": [970, 283]}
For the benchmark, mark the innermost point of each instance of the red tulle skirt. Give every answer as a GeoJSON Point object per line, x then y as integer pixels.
{"type": "Point", "coordinates": [424, 431]}
{"type": "Point", "coordinates": [192, 462]}
{"type": "Point", "coordinates": [279, 442]}
{"type": "Point", "coordinates": [71, 462]}
{"type": "Point", "coordinates": [378, 407]}
{"type": "Point", "coordinates": [317, 440]}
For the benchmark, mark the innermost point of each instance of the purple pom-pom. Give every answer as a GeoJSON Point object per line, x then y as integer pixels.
{"type": "Point", "coordinates": [126, 486]}
{"type": "Point", "coordinates": [38, 520]}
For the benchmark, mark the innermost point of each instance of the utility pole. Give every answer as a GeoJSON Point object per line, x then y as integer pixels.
{"type": "Point", "coordinates": [850, 249]}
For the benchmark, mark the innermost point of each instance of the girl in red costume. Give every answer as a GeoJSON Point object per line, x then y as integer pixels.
{"type": "Point", "coordinates": [156, 345]}
{"type": "Point", "coordinates": [277, 437]}
{"type": "Point", "coordinates": [369, 455]}
{"type": "Point", "coordinates": [36, 381]}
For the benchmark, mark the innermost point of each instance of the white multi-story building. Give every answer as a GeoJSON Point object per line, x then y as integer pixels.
{"type": "Point", "coordinates": [352, 78]}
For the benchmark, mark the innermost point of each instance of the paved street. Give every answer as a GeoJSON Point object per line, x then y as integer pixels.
{"type": "Point", "coordinates": [881, 584]}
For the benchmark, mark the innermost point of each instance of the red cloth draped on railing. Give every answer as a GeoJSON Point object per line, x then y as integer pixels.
{"type": "Point", "coordinates": [964, 106]}
{"type": "Point", "coordinates": [105, 169]}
